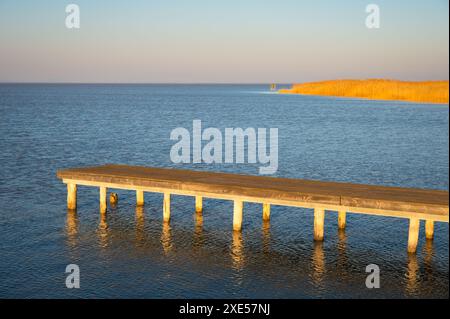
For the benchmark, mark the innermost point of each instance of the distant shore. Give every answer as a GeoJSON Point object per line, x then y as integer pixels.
{"type": "Point", "coordinates": [376, 89]}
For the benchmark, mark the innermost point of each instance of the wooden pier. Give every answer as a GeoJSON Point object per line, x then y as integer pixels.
{"type": "Point", "coordinates": [413, 204]}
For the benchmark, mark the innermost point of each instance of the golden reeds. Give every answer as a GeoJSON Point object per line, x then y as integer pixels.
{"type": "Point", "coordinates": [376, 89]}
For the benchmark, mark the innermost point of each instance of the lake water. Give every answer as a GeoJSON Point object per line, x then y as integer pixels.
{"type": "Point", "coordinates": [131, 254]}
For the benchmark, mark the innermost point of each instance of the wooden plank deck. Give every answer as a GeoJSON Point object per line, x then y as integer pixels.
{"type": "Point", "coordinates": [414, 204]}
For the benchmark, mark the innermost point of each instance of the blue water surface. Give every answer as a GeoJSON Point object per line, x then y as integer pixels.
{"type": "Point", "coordinates": [132, 254]}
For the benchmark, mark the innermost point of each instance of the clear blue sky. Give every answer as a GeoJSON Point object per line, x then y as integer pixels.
{"type": "Point", "coordinates": [241, 41]}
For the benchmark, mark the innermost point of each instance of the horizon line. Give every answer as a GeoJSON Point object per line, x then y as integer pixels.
{"type": "Point", "coordinates": [158, 83]}
{"type": "Point", "coordinates": [214, 83]}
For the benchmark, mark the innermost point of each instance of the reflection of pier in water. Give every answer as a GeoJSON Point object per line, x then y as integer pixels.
{"type": "Point", "coordinates": [237, 251]}
{"type": "Point", "coordinates": [259, 254]}
{"type": "Point", "coordinates": [198, 238]}
{"type": "Point", "coordinates": [318, 265]}
{"type": "Point", "coordinates": [414, 273]}
{"type": "Point", "coordinates": [72, 227]}
{"type": "Point", "coordinates": [412, 276]}
{"type": "Point", "coordinates": [166, 238]}
{"type": "Point", "coordinates": [266, 236]}
{"type": "Point", "coordinates": [102, 230]}
{"type": "Point", "coordinates": [140, 224]}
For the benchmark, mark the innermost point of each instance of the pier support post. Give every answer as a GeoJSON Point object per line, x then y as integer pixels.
{"type": "Point", "coordinates": [413, 238]}
{"type": "Point", "coordinates": [237, 215]}
{"type": "Point", "coordinates": [319, 221]}
{"type": "Point", "coordinates": [166, 208]}
{"type": "Point", "coordinates": [266, 211]}
{"type": "Point", "coordinates": [139, 198]}
{"type": "Point", "coordinates": [342, 216]}
{"type": "Point", "coordinates": [71, 196]}
{"type": "Point", "coordinates": [102, 199]}
{"type": "Point", "coordinates": [198, 204]}
{"type": "Point", "coordinates": [429, 229]}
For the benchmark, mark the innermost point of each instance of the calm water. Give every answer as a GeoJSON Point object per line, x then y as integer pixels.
{"type": "Point", "coordinates": [130, 253]}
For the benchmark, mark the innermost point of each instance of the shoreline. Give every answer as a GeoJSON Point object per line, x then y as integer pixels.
{"type": "Point", "coordinates": [361, 98]}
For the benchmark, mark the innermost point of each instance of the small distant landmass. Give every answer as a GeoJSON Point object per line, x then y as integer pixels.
{"type": "Point", "coordinates": [376, 89]}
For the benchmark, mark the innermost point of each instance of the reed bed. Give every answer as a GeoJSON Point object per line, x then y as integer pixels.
{"type": "Point", "coordinates": [377, 89]}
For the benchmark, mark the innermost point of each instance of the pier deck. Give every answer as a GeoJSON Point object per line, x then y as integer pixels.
{"type": "Point", "coordinates": [413, 204]}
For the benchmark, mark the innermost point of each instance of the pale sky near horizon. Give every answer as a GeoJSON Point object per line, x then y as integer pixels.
{"type": "Point", "coordinates": [226, 41]}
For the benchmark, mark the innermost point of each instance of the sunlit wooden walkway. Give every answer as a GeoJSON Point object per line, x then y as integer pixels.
{"type": "Point", "coordinates": [413, 204]}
